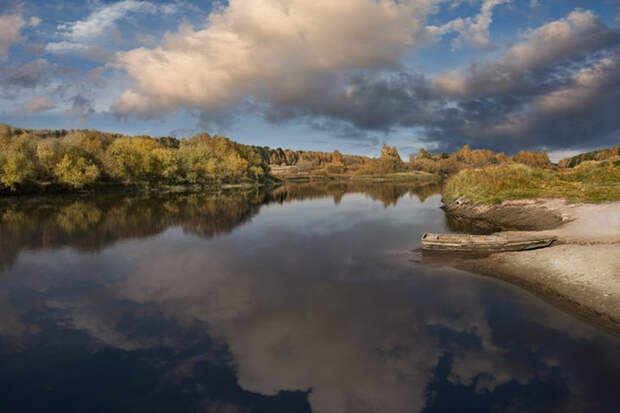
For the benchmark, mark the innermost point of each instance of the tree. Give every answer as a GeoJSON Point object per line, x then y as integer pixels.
{"type": "Point", "coordinates": [15, 169]}
{"type": "Point", "coordinates": [198, 161]}
{"type": "Point", "coordinates": [424, 154]}
{"type": "Point", "coordinates": [390, 160]}
{"type": "Point", "coordinates": [48, 154]}
{"type": "Point", "coordinates": [76, 171]}
{"type": "Point", "coordinates": [133, 160]}
{"type": "Point", "coordinates": [337, 158]}
{"type": "Point", "coordinates": [232, 166]}
{"type": "Point", "coordinates": [18, 161]}
{"type": "Point", "coordinates": [168, 161]}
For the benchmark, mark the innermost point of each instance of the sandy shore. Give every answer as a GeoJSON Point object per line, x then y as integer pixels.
{"type": "Point", "coordinates": [580, 272]}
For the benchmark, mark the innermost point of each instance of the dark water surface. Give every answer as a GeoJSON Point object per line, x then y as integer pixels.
{"type": "Point", "coordinates": [303, 299]}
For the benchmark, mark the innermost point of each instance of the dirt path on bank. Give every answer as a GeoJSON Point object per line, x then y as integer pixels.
{"type": "Point", "coordinates": [580, 272]}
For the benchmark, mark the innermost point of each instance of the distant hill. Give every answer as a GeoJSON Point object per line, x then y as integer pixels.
{"type": "Point", "coordinates": [598, 155]}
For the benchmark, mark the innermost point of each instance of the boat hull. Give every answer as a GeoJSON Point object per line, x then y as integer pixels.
{"type": "Point", "coordinates": [482, 243]}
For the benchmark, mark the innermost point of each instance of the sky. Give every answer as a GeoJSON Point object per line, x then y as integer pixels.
{"type": "Point", "coordinates": [320, 75]}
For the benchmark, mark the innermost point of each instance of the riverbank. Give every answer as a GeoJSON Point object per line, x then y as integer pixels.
{"type": "Point", "coordinates": [580, 272]}
{"type": "Point", "coordinates": [412, 176]}
{"type": "Point", "coordinates": [120, 188]}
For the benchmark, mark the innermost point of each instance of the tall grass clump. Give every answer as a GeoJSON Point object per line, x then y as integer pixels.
{"type": "Point", "coordinates": [588, 182]}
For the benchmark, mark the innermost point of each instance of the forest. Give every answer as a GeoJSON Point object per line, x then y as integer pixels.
{"type": "Point", "coordinates": [37, 160]}
{"type": "Point", "coordinates": [81, 158]}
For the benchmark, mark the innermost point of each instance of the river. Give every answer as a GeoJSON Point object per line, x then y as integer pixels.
{"type": "Point", "coordinates": [306, 298]}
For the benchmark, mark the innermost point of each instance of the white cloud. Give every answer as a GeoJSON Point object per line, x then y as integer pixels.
{"type": "Point", "coordinates": [473, 31]}
{"type": "Point", "coordinates": [253, 47]}
{"type": "Point", "coordinates": [34, 21]}
{"type": "Point", "coordinates": [575, 32]}
{"type": "Point", "coordinates": [10, 26]}
{"type": "Point", "coordinates": [103, 19]}
{"type": "Point", "coordinates": [579, 32]}
{"type": "Point", "coordinates": [65, 47]}
{"type": "Point", "coordinates": [82, 34]}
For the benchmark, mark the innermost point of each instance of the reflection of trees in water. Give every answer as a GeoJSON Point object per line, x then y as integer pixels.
{"type": "Point", "coordinates": [92, 223]}
{"type": "Point", "coordinates": [387, 193]}
{"type": "Point", "coordinates": [220, 215]}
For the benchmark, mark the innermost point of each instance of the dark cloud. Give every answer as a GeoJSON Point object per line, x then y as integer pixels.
{"type": "Point", "coordinates": [82, 106]}
{"type": "Point", "coordinates": [577, 110]}
{"type": "Point", "coordinates": [33, 85]}
{"type": "Point", "coordinates": [25, 76]}
{"type": "Point", "coordinates": [559, 88]}
{"type": "Point", "coordinates": [345, 132]}
{"type": "Point", "coordinates": [370, 101]}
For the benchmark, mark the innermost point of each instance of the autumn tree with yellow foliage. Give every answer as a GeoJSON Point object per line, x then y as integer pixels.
{"type": "Point", "coordinates": [81, 158]}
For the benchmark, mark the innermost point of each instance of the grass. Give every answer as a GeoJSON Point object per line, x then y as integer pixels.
{"type": "Point", "coordinates": [590, 182]}
{"type": "Point", "coordinates": [413, 176]}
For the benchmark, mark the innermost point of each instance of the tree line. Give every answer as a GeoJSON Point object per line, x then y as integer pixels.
{"type": "Point", "coordinates": [465, 158]}
{"type": "Point", "coordinates": [80, 158]}
{"type": "Point", "coordinates": [289, 162]}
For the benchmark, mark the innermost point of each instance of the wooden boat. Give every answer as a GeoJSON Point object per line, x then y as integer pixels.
{"type": "Point", "coordinates": [483, 243]}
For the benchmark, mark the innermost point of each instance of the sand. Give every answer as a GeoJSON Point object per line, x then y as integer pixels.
{"type": "Point", "coordinates": [580, 272]}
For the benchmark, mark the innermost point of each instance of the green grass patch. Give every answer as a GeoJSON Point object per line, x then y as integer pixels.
{"type": "Point", "coordinates": [413, 176]}
{"type": "Point", "coordinates": [588, 182]}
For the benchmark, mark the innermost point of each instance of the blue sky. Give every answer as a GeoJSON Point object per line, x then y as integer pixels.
{"type": "Point", "coordinates": [320, 75]}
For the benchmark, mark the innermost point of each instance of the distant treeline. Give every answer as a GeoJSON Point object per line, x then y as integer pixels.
{"type": "Point", "coordinates": [286, 162]}
{"type": "Point", "coordinates": [465, 158]}
{"type": "Point", "coordinates": [390, 161]}
{"type": "Point", "coordinates": [85, 158]}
